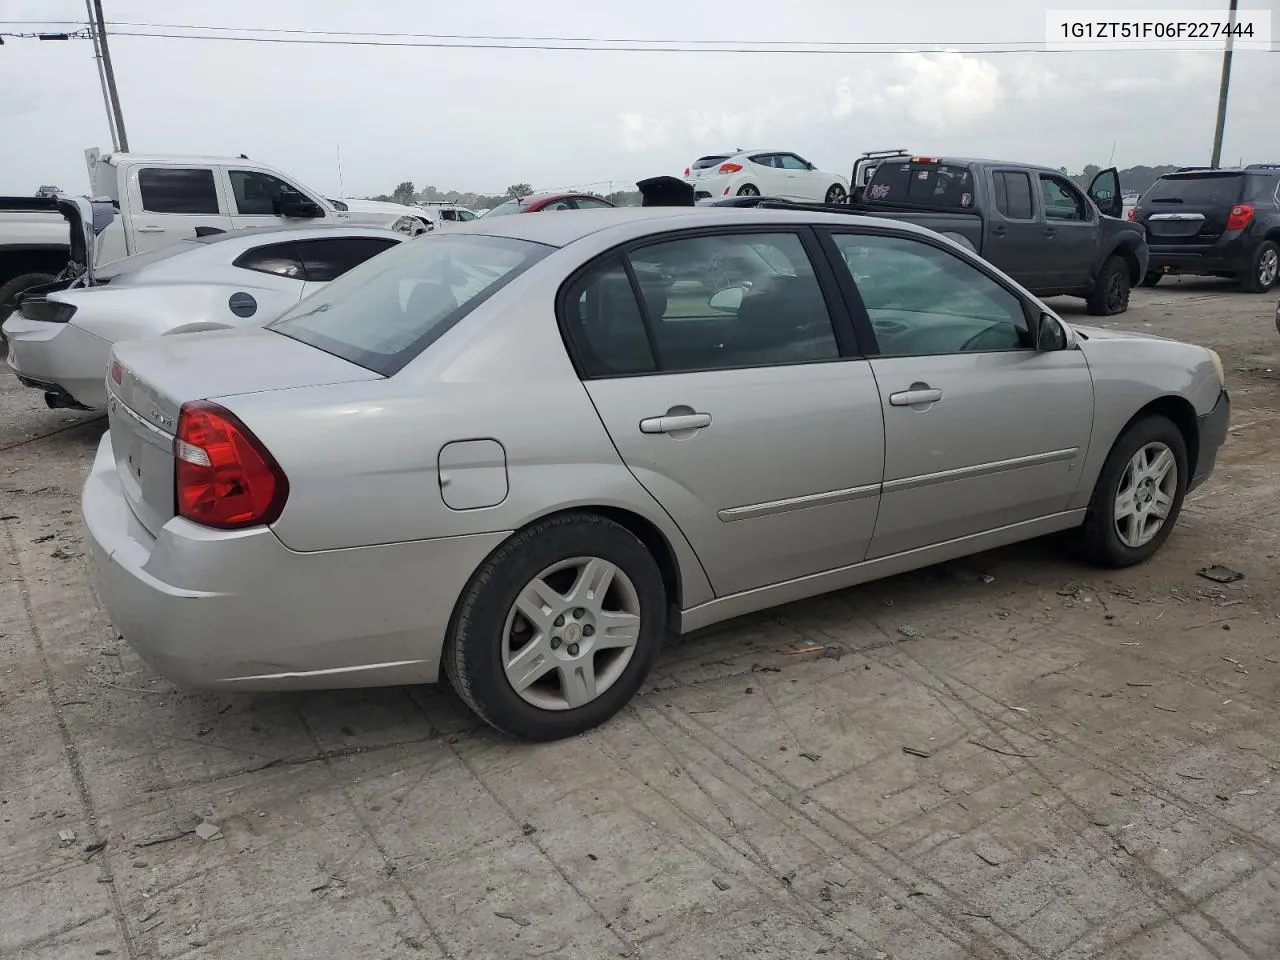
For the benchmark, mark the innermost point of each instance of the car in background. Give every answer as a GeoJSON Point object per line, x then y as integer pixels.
{"type": "Point", "coordinates": [754, 173]}
{"type": "Point", "coordinates": [1217, 222]}
{"type": "Point", "coordinates": [441, 212]}
{"type": "Point", "coordinates": [552, 441]}
{"type": "Point", "coordinates": [538, 202]}
{"type": "Point", "coordinates": [399, 217]}
{"type": "Point", "coordinates": [59, 340]}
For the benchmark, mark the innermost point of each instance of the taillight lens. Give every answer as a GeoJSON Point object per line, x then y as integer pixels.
{"type": "Point", "coordinates": [224, 477]}
{"type": "Point", "coordinates": [730, 167]}
{"type": "Point", "coordinates": [46, 311]}
{"type": "Point", "coordinates": [1132, 214]}
{"type": "Point", "coordinates": [686, 171]}
{"type": "Point", "coordinates": [1240, 216]}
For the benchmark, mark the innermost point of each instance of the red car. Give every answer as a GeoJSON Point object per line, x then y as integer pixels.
{"type": "Point", "coordinates": [536, 202]}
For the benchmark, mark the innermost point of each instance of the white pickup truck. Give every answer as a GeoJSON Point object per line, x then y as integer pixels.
{"type": "Point", "coordinates": [161, 199]}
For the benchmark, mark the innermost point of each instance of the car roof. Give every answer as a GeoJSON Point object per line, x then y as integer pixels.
{"type": "Point", "coordinates": [559, 229]}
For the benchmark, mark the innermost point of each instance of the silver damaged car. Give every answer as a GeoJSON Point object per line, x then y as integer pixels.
{"type": "Point", "coordinates": [524, 451]}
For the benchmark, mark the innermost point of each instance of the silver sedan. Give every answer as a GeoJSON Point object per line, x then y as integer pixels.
{"type": "Point", "coordinates": [526, 450]}
{"type": "Point", "coordinates": [59, 341]}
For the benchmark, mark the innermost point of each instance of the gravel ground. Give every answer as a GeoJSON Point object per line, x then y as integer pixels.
{"type": "Point", "coordinates": [1010, 757]}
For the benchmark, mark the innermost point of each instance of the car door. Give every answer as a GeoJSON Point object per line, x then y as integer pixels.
{"type": "Point", "coordinates": [741, 409]}
{"type": "Point", "coordinates": [327, 258]}
{"type": "Point", "coordinates": [1015, 229]}
{"type": "Point", "coordinates": [1072, 230]}
{"type": "Point", "coordinates": [982, 431]}
{"type": "Point", "coordinates": [170, 203]}
{"type": "Point", "coordinates": [1104, 191]}
{"type": "Point", "coordinates": [766, 171]}
{"type": "Point", "coordinates": [802, 182]}
{"type": "Point", "coordinates": [257, 198]}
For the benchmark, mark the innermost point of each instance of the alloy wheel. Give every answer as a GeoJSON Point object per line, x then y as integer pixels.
{"type": "Point", "coordinates": [1145, 495]}
{"type": "Point", "coordinates": [1268, 267]}
{"type": "Point", "coordinates": [571, 633]}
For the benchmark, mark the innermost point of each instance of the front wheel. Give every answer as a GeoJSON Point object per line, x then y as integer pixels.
{"type": "Point", "coordinates": [558, 629]}
{"type": "Point", "coordinates": [1139, 494]}
{"type": "Point", "coordinates": [836, 194]}
{"type": "Point", "coordinates": [1265, 269]}
{"type": "Point", "coordinates": [748, 190]}
{"type": "Point", "coordinates": [1110, 295]}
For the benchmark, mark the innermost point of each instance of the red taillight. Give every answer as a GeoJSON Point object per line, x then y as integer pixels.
{"type": "Point", "coordinates": [730, 167]}
{"type": "Point", "coordinates": [116, 373]}
{"type": "Point", "coordinates": [926, 159]}
{"type": "Point", "coordinates": [686, 171]}
{"type": "Point", "coordinates": [1240, 217]}
{"type": "Point", "coordinates": [224, 477]}
{"type": "Point", "coordinates": [1130, 214]}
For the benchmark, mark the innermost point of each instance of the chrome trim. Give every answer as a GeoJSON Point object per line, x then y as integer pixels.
{"type": "Point", "coordinates": [116, 405]}
{"type": "Point", "coordinates": [773, 507]}
{"type": "Point", "coordinates": [328, 672]}
{"type": "Point", "coordinates": [1176, 216]}
{"type": "Point", "coordinates": [979, 470]}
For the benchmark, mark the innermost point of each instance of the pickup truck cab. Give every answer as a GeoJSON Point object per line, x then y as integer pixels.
{"type": "Point", "coordinates": [1031, 222]}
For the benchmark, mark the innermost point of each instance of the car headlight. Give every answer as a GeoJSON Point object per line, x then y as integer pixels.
{"type": "Point", "coordinates": [1217, 366]}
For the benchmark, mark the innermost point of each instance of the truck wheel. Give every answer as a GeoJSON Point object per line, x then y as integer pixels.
{"type": "Point", "coordinates": [1110, 294]}
{"type": "Point", "coordinates": [1151, 279]}
{"type": "Point", "coordinates": [10, 291]}
{"type": "Point", "coordinates": [1265, 268]}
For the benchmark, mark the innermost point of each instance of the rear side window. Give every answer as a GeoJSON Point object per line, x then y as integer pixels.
{"type": "Point", "coordinates": [1013, 194]}
{"type": "Point", "coordinates": [281, 259]}
{"type": "Point", "coordinates": [383, 313]}
{"type": "Point", "coordinates": [1264, 189]}
{"type": "Point", "coordinates": [947, 185]}
{"type": "Point", "coordinates": [328, 259]}
{"type": "Point", "coordinates": [178, 190]}
{"type": "Point", "coordinates": [1205, 189]}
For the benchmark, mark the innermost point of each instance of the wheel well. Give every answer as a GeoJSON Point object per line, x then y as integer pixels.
{"type": "Point", "coordinates": [1183, 415]}
{"type": "Point", "coordinates": [1131, 260]}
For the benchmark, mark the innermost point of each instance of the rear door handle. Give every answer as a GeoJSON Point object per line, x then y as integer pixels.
{"type": "Point", "coordinates": [675, 424]}
{"type": "Point", "coordinates": [999, 231]}
{"type": "Point", "coordinates": [909, 398]}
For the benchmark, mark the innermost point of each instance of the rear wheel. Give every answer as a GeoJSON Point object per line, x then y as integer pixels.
{"type": "Point", "coordinates": [836, 194]}
{"type": "Point", "coordinates": [748, 190]}
{"type": "Point", "coordinates": [1151, 279]}
{"type": "Point", "coordinates": [559, 628]}
{"type": "Point", "coordinates": [1265, 270]}
{"type": "Point", "coordinates": [1139, 494]}
{"type": "Point", "coordinates": [1110, 294]}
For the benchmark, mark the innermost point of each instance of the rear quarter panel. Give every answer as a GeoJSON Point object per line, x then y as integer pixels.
{"type": "Point", "coordinates": [1128, 374]}
{"type": "Point", "coordinates": [127, 312]}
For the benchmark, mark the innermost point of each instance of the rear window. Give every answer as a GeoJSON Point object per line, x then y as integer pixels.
{"type": "Point", "coordinates": [702, 163]}
{"type": "Point", "coordinates": [385, 312]}
{"type": "Point", "coordinates": [947, 185]}
{"type": "Point", "coordinates": [1202, 189]}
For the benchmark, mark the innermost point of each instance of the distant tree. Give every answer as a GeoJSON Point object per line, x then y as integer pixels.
{"type": "Point", "coordinates": [403, 193]}
{"type": "Point", "coordinates": [519, 190]}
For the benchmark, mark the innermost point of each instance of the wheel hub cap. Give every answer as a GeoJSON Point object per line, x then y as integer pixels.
{"type": "Point", "coordinates": [1145, 495]}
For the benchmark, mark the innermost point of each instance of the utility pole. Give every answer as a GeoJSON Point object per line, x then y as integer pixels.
{"type": "Point", "coordinates": [102, 76]}
{"type": "Point", "coordinates": [1222, 89]}
{"type": "Point", "coordinates": [100, 30]}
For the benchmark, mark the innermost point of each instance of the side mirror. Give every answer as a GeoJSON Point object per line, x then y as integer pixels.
{"type": "Point", "coordinates": [301, 210]}
{"type": "Point", "coordinates": [1050, 335]}
{"type": "Point", "coordinates": [727, 300]}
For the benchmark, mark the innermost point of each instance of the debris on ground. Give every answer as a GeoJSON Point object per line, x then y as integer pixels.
{"type": "Point", "coordinates": [917, 752]}
{"type": "Point", "coordinates": [1220, 574]}
{"type": "Point", "coordinates": [812, 648]}
{"type": "Point", "coordinates": [528, 829]}
{"type": "Point", "coordinates": [814, 757]}
{"type": "Point", "coordinates": [989, 859]}
{"type": "Point", "coordinates": [720, 884]}
{"type": "Point", "coordinates": [94, 848]}
{"type": "Point", "coordinates": [207, 831]}
{"type": "Point", "coordinates": [833, 652]}
{"type": "Point", "coordinates": [67, 836]}
{"type": "Point", "coordinates": [839, 875]}
{"type": "Point", "coordinates": [907, 632]}
{"type": "Point", "coordinates": [1003, 753]}
{"type": "Point", "coordinates": [514, 918]}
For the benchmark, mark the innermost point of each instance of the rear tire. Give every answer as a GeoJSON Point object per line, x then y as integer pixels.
{"type": "Point", "coordinates": [748, 190]}
{"type": "Point", "coordinates": [1264, 269]}
{"type": "Point", "coordinates": [1150, 279]}
{"type": "Point", "coordinates": [1110, 295]}
{"type": "Point", "coordinates": [546, 568]}
{"type": "Point", "coordinates": [1110, 519]}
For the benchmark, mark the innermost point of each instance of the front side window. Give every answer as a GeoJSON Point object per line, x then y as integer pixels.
{"type": "Point", "coordinates": [261, 194]}
{"type": "Point", "coordinates": [1061, 200]}
{"type": "Point", "coordinates": [514, 205]}
{"type": "Point", "coordinates": [591, 203]}
{"type": "Point", "coordinates": [565, 204]}
{"type": "Point", "coordinates": [923, 301]}
{"type": "Point", "coordinates": [464, 215]}
{"type": "Point", "coordinates": [706, 303]}
{"type": "Point", "coordinates": [385, 312]}
{"type": "Point", "coordinates": [178, 190]}
{"type": "Point", "coordinates": [791, 162]}
{"type": "Point", "coordinates": [281, 259]}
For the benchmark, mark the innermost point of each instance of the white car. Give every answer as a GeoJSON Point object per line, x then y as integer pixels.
{"type": "Point", "coordinates": [378, 213]}
{"type": "Point", "coordinates": [764, 173]}
{"type": "Point", "coordinates": [59, 341]}
{"type": "Point", "coordinates": [441, 213]}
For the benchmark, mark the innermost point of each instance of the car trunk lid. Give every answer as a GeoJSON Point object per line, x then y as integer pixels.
{"type": "Point", "coordinates": [149, 380]}
{"type": "Point", "coordinates": [1189, 207]}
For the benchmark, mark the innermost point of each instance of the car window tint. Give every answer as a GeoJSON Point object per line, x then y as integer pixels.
{"type": "Point", "coordinates": [591, 203]}
{"type": "Point", "coordinates": [465, 215]}
{"type": "Point", "coordinates": [733, 300]}
{"type": "Point", "coordinates": [948, 185]}
{"type": "Point", "coordinates": [1206, 188]}
{"type": "Point", "coordinates": [925, 301]}
{"type": "Point", "coordinates": [1263, 190]}
{"type": "Point", "coordinates": [1061, 200]}
{"type": "Point", "coordinates": [282, 259]}
{"type": "Point", "coordinates": [702, 163]}
{"type": "Point", "coordinates": [260, 194]}
{"type": "Point", "coordinates": [178, 190]}
{"type": "Point", "coordinates": [330, 258]}
{"type": "Point", "coordinates": [507, 207]}
{"type": "Point", "coordinates": [765, 159]}
{"type": "Point", "coordinates": [790, 161]}
{"type": "Point", "coordinates": [604, 324]}
{"type": "Point", "coordinates": [383, 313]}
{"type": "Point", "coordinates": [1013, 195]}
{"type": "Point", "coordinates": [565, 204]}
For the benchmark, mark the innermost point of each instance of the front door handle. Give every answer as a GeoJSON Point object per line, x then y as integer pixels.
{"type": "Point", "coordinates": [909, 398]}
{"type": "Point", "coordinates": [675, 423]}
{"type": "Point", "coordinates": [150, 228]}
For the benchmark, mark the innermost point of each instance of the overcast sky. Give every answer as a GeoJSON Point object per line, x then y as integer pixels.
{"type": "Point", "coordinates": [476, 119]}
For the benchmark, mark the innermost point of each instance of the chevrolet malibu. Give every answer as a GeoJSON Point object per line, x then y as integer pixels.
{"type": "Point", "coordinates": [522, 452]}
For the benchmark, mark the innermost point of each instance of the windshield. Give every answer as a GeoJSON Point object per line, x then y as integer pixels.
{"type": "Point", "coordinates": [947, 185]}
{"type": "Point", "coordinates": [514, 205]}
{"type": "Point", "coordinates": [383, 313]}
{"type": "Point", "coordinates": [1205, 189]}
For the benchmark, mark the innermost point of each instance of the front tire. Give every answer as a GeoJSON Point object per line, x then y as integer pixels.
{"type": "Point", "coordinates": [1139, 494]}
{"type": "Point", "coordinates": [1110, 295]}
{"type": "Point", "coordinates": [558, 629]}
{"type": "Point", "coordinates": [748, 190]}
{"type": "Point", "coordinates": [1265, 268]}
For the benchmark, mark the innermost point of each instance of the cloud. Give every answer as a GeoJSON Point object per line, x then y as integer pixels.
{"type": "Point", "coordinates": [641, 134]}
{"type": "Point", "coordinates": [939, 91]}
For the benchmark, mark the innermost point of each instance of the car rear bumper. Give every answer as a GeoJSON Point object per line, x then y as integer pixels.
{"type": "Point", "coordinates": [59, 358]}
{"type": "Point", "coordinates": [225, 610]}
{"type": "Point", "coordinates": [1229, 255]}
{"type": "Point", "coordinates": [1213, 433]}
